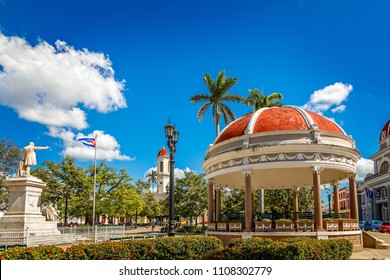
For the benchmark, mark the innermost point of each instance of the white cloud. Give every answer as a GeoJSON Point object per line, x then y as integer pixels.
{"type": "Point", "coordinates": [339, 109]}
{"type": "Point", "coordinates": [363, 167]}
{"type": "Point", "coordinates": [179, 173]}
{"type": "Point", "coordinates": [107, 146]}
{"type": "Point", "coordinates": [52, 85]}
{"type": "Point", "coordinates": [324, 99]}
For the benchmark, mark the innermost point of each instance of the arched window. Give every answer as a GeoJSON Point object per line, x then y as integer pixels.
{"type": "Point", "coordinates": [384, 166]}
{"type": "Point", "coordinates": [161, 166]}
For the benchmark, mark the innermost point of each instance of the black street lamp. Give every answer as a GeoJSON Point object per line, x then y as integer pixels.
{"type": "Point", "coordinates": [172, 135]}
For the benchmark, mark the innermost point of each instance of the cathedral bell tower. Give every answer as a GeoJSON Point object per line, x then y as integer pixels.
{"type": "Point", "coordinates": [162, 171]}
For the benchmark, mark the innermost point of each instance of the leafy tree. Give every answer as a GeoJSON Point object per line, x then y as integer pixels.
{"type": "Point", "coordinates": [113, 188]}
{"type": "Point", "coordinates": [281, 201]}
{"type": "Point", "coordinates": [110, 180]}
{"type": "Point", "coordinates": [151, 208]}
{"type": "Point", "coordinates": [278, 201]}
{"type": "Point", "coordinates": [9, 157]}
{"type": "Point", "coordinates": [216, 98]}
{"type": "Point", "coordinates": [190, 196]}
{"type": "Point", "coordinates": [306, 199]}
{"type": "Point", "coordinates": [66, 178]}
{"type": "Point", "coordinates": [258, 100]}
{"type": "Point", "coordinates": [152, 177]}
{"type": "Point", "coordinates": [142, 187]}
{"type": "Point", "coordinates": [233, 202]}
{"type": "Point", "coordinates": [126, 202]}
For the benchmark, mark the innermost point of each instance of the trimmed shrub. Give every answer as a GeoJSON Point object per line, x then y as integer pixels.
{"type": "Point", "coordinates": [101, 251]}
{"type": "Point", "coordinates": [49, 252]}
{"type": "Point", "coordinates": [190, 248]}
{"type": "Point", "coordinates": [287, 249]}
{"type": "Point", "coordinates": [165, 248]}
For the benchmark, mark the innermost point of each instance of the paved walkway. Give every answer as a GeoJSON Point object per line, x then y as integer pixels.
{"type": "Point", "coordinates": [374, 254]}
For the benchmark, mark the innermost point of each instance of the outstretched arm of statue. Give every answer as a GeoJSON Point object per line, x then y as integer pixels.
{"type": "Point", "coordinates": [41, 148]}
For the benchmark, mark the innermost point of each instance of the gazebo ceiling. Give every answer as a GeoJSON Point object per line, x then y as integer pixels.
{"type": "Point", "coordinates": [280, 146]}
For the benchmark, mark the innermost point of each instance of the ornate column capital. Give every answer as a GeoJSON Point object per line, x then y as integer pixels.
{"type": "Point", "coordinates": [246, 172]}
{"type": "Point", "coordinates": [352, 176]}
{"type": "Point", "coordinates": [210, 181]}
{"type": "Point", "coordinates": [317, 169]}
{"type": "Point", "coordinates": [335, 184]}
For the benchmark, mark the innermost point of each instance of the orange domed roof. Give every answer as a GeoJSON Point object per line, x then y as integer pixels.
{"type": "Point", "coordinates": [277, 119]}
{"type": "Point", "coordinates": [162, 152]}
{"type": "Point", "coordinates": [385, 131]}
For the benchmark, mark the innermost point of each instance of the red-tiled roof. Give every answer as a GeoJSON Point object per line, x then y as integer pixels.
{"type": "Point", "coordinates": [276, 119]}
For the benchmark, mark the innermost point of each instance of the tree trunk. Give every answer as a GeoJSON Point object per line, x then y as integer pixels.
{"type": "Point", "coordinates": [217, 121]}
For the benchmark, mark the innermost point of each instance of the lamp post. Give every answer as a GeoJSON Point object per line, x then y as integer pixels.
{"type": "Point", "coordinates": [172, 135]}
{"type": "Point", "coordinates": [329, 197]}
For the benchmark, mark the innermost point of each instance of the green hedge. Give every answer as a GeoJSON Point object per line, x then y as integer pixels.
{"type": "Point", "coordinates": [49, 252]}
{"type": "Point", "coordinates": [164, 248]}
{"type": "Point", "coordinates": [287, 249]}
{"type": "Point", "coordinates": [190, 248]}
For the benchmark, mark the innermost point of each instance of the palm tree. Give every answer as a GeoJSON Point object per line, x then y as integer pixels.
{"type": "Point", "coordinates": [218, 94]}
{"type": "Point", "coordinates": [259, 100]}
{"type": "Point", "coordinates": [152, 177]}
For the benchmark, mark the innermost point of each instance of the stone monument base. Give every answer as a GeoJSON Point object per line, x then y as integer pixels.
{"type": "Point", "coordinates": [24, 211]}
{"type": "Point", "coordinates": [34, 224]}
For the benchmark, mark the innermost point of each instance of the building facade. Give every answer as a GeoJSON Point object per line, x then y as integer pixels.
{"type": "Point", "coordinates": [374, 192]}
{"type": "Point", "coordinates": [162, 174]}
{"type": "Point", "coordinates": [344, 201]}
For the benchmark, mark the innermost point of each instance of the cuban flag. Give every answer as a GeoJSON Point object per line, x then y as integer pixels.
{"type": "Point", "coordinates": [368, 193]}
{"type": "Point", "coordinates": [90, 142]}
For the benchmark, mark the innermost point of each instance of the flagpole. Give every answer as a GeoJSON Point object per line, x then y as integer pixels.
{"type": "Point", "coordinates": [94, 187]}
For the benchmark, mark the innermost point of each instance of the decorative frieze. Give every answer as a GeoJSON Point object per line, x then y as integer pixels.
{"type": "Point", "coordinates": [280, 158]}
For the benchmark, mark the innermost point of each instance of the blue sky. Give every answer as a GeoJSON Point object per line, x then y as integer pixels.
{"type": "Point", "coordinates": [69, 68]}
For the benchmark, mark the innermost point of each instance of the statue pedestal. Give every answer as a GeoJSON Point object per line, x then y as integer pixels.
{"type": "Point", "coordinates": [24, 209]}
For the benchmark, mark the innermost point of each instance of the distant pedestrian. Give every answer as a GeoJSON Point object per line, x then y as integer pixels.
{"type": "Point", "coordinates": [153, 224]}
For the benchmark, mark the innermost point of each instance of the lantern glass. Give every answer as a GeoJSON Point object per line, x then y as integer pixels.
{"type": "Point", "coordinates": [175, 135]}
{"type": "Point", "coordinates": [169, 130]}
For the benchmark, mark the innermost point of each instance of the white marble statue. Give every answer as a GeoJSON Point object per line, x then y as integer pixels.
{"type": "Point", "coordinates": [29, 159]}
{"type": "Point", "coordinates": [50, 213]}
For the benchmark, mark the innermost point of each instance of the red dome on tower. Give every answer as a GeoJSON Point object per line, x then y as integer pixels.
{"type": "Point", "coordinates": [163, 152]}
{"type": "Point", "coordinates": [385, 132]}
{"type": "Point", "coordinates": [285, 118]}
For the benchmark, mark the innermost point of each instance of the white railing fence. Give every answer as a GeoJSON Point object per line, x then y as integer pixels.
{"type": "Point", "coordinates": [64, 235]}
